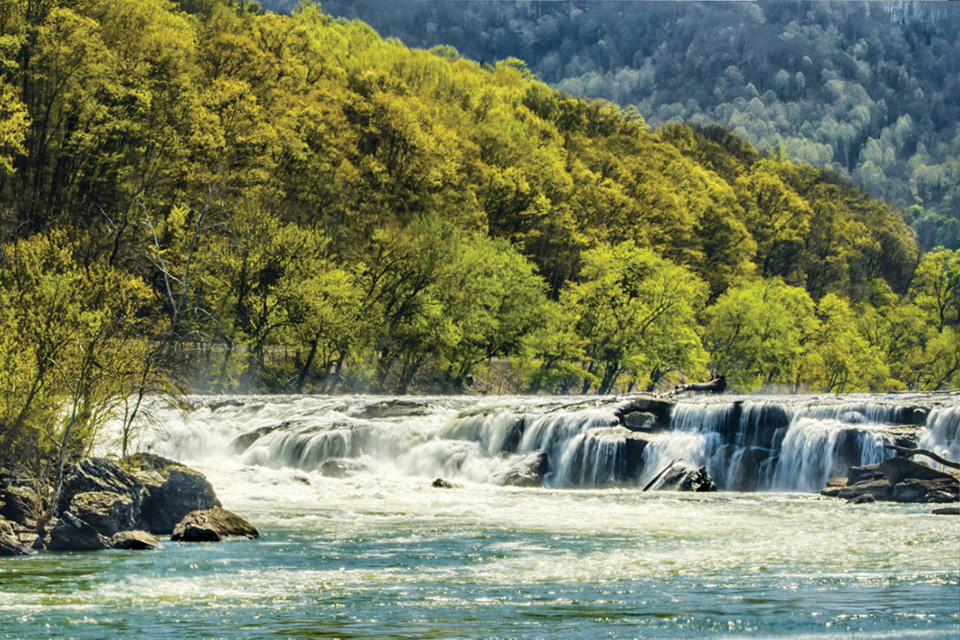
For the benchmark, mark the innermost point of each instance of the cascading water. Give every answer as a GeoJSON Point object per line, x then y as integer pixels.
{"type": "Point", "coordinates": [792, 443]}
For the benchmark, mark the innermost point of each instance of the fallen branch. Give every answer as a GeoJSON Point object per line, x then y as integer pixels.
{"type": "Point", "coordinates": [661, 474]}
{"type": "Point", "coordinates": [923, 452]}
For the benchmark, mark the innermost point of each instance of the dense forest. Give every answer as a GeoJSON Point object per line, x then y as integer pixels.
{"type": "Point", "coordinates": [870, 90]}
{"type": "Point", "coordinates": [198, 195]}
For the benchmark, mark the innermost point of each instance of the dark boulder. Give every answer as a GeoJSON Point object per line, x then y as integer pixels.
{"type": "Point", "coordinates": [134, 540]}
{"type": "Point", "coordinates": [864, 498]}
{"type": "Point", "coordinates": [70, 533]}
{"type": "Point", "coordinates": [20, 504]}
{"type": "Point", "coordinates": [107, 512]}
{"type": "Point", "coordinates": [440, 483]}
{"type": "Point", "coordinates": [212, 525]}
{"type": "Point", "coordinates": [98, 474]}
{"type": "Point", "coordinates": [946, 511]}
{"type": "Point", "coordinates": [172, 491]}
{"type": "Point", "coordinates": [681, 476]}
{"type": "Point", "coordinates": [529, 471]}
{"type": "Point", "coordinates": [9, 543]}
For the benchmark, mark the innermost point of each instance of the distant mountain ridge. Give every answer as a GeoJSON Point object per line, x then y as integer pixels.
{"type": "Point", "coordinates": [871, 90]}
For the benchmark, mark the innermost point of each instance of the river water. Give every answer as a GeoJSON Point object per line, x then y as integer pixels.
{"type": "Point", "coordinates": [380, 553]}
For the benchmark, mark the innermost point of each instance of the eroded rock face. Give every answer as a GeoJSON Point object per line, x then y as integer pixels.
{"type": "Point", "coordinates": [213, 525]}
{"type": "Point", "coordinates": [529, 471]}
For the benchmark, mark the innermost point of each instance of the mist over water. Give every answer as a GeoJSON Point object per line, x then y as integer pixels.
{"type": "Point", "coordinates": [382, 554]}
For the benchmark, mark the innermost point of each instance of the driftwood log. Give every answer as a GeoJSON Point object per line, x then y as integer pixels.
{"type": "Point", "coordinates": [907, 451]}
{"type": "Point", "coordinates": [717, 385]}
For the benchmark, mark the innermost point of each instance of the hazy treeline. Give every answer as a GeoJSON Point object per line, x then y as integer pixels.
{"type": "Point", "coordinates": [200, 196]}
{"type": "Point", "coordinates": [869, 89]}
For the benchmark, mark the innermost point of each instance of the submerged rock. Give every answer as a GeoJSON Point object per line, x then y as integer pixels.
{"type": "Point", "coordinates": [529, 471]}
{"type": "Point", "coordinates": [681, 476]}
{"type": "Point", "coordinates": [341, 468]}
{"type": "Point", "coordinates": [213, 525]}
{"type": "Point", "coordinates": [440, 483]}
{"type": "Point", "coordinates": [946, 511]}
{"type": "Point", "coordinates": [134, 540]}
{"type": "Point", "coordinates": [243, 441]}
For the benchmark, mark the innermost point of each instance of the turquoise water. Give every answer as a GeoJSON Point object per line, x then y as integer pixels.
{"type": "Point", "coordinates": [384, 555]}
{"type": "Point", "coordinates": [407, 561]}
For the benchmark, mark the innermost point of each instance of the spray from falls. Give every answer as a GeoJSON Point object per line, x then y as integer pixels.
{"type": "Point", "coordinates": [791, 443]}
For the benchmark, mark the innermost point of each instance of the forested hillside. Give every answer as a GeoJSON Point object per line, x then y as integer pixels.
{"type": "Point", "coordinates": [201, 196]}
{"type": "Point", "coordinates": [869, 89]}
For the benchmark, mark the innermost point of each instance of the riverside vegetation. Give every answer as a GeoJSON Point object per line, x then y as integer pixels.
{"type": "Point", "coordinates": [198, 194]}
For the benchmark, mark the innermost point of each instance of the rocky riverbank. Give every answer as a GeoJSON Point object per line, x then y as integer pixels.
{"type": "Point", "coordinates": [105, 506]}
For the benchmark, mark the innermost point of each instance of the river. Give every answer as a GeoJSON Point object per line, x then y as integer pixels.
{"type": "Point", "coordinates": [380, 553]}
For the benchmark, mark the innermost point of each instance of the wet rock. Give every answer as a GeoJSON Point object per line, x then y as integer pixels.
{"type": "Point", "coordinates": [745, 471]}
{"type": "Point", "coordinates": [639, 421]}
{"type": "Point", "coordinates": [341, 468]}
{"type": "Point", "coordinates": [98, 474]}
{"type": "Point", "coordinates": [20, 504]}
{"type": "Point", "coordinates": [878, 489]}
{"type": "Point", "coordinates": [244, 441]}
{"type": "Point", "coordinates": [529, 471]}
{"type": "Point", "coordinates": [105, 511]}
{"type": "Point", "coordinates": [865, 498]}
{"type": "Point", "coordinates": [440, 483]}
{"type": "Point", "coordinates": [859, 474]}
{"type": "Point", "coordinates": [172, 491]}
{"type": "Point", "coordinates": [134, 540]}
{"type": "Point", "coordinates": [393, 409]}
{"type": "Point", "coordinates": [898, 480]}
{"type": "Point", "coordinates": [946, 511]}
{"type": "Point", "coordinates": [897, 469]}
{"type": "Point", "coordinates": [681, 476]}
{"type": "Point", "coordinates": [212, 525]}
{"type": "Point", "coordinates": [70, 533]}
{"type": "Point", "coordinates": [940, 497]}
{"type": "Point", "coordinates": [10, 544]}
{"type": "Point", "coordinates": [635, 414]}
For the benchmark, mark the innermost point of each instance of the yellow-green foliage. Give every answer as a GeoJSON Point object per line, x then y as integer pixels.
{"type": "Point", "coordinates": [293, 203]}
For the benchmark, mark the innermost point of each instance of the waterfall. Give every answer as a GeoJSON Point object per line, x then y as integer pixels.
{"type": "Point", "coordinates": [942, 434]}
{"type": "Point", "coordinates": [785, 443]}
